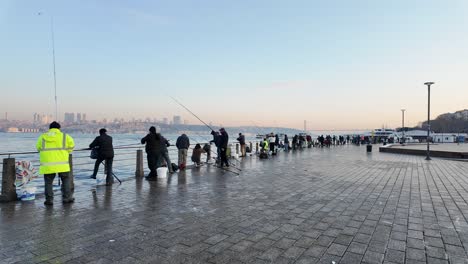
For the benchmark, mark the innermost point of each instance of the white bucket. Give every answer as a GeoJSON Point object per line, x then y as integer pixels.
{"type": "Point", "coordinates": [29, 194]}
{"type": "Point", "coordinates": [236, 156]}
{"type": "Point", "coordinates": [162, 172]}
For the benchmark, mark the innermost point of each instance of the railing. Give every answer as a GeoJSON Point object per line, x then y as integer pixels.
{"type": "Point", "coordinates": [126, 157]}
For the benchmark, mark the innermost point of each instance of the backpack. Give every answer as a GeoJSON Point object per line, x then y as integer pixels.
{"type": "Point", "coordinates": [174, 167]}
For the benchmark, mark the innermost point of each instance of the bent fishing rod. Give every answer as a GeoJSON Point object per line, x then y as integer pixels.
{"type": "Point", "coordinates": [179, 103]}
{"type": "Point", "coordinates": [226, 169]}
{"type": "Point", "coordinates": [234, 165]}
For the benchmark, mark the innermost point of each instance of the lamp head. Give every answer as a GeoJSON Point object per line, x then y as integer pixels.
{"type": "Point", "coordinates": [429, 83]}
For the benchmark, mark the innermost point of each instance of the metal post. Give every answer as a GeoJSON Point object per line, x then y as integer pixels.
{"type": "Point", "coordinates": [403, 125]}
{"type": "Point", "coordinates": [52, 35]}
{"type": "Point", "coordinates": [8, 181]}
{"type": "Point", "coordinates": [256, 147]}
{"type": "Point", "coordinates": [53, 62]}
{"type": "Point", "coordinates": [250, 147]}
{"type": "Point", "coordinates": [139, 164]}
{"type": "Point", "coordinates": [428, 156]}
{"type": "Point", "coordinates": [70, 174]}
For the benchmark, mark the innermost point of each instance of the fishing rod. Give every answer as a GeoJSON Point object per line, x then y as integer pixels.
{"type": "Point", "coordinates": [191, 113]}
{"type": "Point", "coordinates": [234, 165]}
{"type": "Point", "coordinates": [223, 168]}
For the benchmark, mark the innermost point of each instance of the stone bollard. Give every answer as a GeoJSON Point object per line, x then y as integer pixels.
{"type": "Point", "coordinates": [250, 147]}
{"type": "Point", "coordinates": [70, 174]}
{"type": "Point", "coordinates": [256, 147]}
{"type": "Point", "coordinates": [139, 164]}
{"type": "Point", "coordinates": [237, 149]}
{"type": "Point", "coordinates": [8, 181]}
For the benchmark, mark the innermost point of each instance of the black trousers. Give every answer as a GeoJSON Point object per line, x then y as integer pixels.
{"type": "Point", "coordinates": [272, 147]}
{"type": "Point", "coordinates": [108, 164]}
{"type": "Point", "coordinates": [224, 160]}
{"type": "Point", "coordinates": [154, 161]}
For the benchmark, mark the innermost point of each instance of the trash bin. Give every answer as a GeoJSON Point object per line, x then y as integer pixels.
{"type": "Point", "coordinates": [369, 148]}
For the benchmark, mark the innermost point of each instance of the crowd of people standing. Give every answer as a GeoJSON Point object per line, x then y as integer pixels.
{"type": "Point", "coordinates": [54, 148]}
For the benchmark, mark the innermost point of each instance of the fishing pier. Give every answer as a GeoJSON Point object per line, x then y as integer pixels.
{"type": "Point", "coordinates": [319, 205]}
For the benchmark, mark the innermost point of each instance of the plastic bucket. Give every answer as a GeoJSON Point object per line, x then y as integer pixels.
{"type": "Point", "coordinates": [29, 194]}
{"type": "Point", "coordinates": [162, 172]}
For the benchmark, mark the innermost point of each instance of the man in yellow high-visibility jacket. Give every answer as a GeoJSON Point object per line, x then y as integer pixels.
{"type": "Point", "coordinates": [54, 148]}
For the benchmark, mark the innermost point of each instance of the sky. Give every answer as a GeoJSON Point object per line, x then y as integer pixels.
{"type": "Point", "coordinates": [337, 64]}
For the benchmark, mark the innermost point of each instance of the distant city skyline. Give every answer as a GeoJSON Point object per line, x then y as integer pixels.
{"type": "Point", "coordinates": [336, 64]}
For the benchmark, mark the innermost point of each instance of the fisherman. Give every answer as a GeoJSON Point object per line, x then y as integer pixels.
{"type": "Point", "coordinates": [183, 144]}
{"type": "Point", "coordinates": [105, 149]}
{"type": "Point", "coordinates": [286, 143]}
{"type": "Point", "coordinates": [224, 144]}
{"type": "Point", "coordinates": [265, 144]}
{"type": "Point", "coordinates": [217, 141]}
{"type": "Point", "coordinates": [241, 140]}
{"type": "Point", "coordinates": [196, 154]}
{"type": "Point", "coordinates": [294, 142]}
{"type": "Point", "coordinates": [309, 141]}
{"type": "Point", "coordinates": [271, 140]}
{"type": "Point", "coordinates": [277, 143]}
{"type": "Point", "coordinates": [165, 153]}
{"type": "Point", "coordinates": [54, 148]}
{"type": "Point", "coordinates": [154, 152]}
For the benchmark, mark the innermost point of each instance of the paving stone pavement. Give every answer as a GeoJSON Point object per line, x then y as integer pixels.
{"type": "Point", "coordinates": [338, 205]}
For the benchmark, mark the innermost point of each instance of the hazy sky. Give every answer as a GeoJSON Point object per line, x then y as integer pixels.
{"type": "Point", "coordinates": [337, 64]}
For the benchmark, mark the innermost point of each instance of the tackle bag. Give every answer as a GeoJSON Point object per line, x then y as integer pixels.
{"type": "Point", "coordinates": [174, 167]}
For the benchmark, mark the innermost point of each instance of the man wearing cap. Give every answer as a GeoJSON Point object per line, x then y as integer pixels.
{"type": "Point", "coordinates": [54, 148]}
{"type": "Point", "coordinates": [183, 144]}
{"type": "Point", "coordinates": [241, 140]}
{"type": "Point", "coordinates": [154, 152]}
{"type": "Point", "coordinates": [105, 149]}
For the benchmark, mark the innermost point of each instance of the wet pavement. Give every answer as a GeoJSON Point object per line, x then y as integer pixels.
{"type": "Point", "coordinates": [337, 205]}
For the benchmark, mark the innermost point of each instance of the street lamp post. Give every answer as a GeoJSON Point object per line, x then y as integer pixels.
{"type": "Point", "coordinates": [428, 157]}
{"type": "Point", "coordinates": [53, 63]}
{"type": "Point", "coordinates": [403, 125]}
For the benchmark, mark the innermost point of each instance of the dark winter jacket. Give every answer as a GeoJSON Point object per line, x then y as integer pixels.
{"type": "Point", "coordinates": [241, 139]}
{"type": "Point", "coordinates": [224, 139]}
{"type": "Point", "coordinates": [216, 138]}
{"type": "Point", "coordinates": [154, 143]}
{"type": "Point", "coordinates": [183, 142]}
{"type": "Point", "coordinates": [104, 145]}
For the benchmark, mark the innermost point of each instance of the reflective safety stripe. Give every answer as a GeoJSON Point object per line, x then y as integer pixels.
{"type": "Point", "coordinates": [64, 141]}
{"type": "Point", "coordinates": [54, 163]}
{"type": "Point", "coordinates": [49, 149]}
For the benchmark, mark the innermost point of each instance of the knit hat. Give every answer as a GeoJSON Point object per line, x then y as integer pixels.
{"type": "Point", "coordinates": [54, 125]}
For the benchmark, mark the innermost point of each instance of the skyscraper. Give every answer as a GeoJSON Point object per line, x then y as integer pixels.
{"type": "Point", "coordinates": [69, 118]}
{"type": "Point", "coordinates": [177, 120]}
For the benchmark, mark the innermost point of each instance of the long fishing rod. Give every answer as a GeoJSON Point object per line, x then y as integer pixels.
{"type": "Point", "coordinates": [192, 113]}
